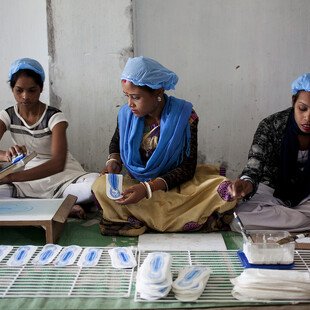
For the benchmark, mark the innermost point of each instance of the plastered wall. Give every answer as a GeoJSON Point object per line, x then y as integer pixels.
{"type": "Point", "coordinates": [235, 60]}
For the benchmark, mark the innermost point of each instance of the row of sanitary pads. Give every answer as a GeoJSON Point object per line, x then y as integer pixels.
{"type": "Point", "coordinates": [67, 255]}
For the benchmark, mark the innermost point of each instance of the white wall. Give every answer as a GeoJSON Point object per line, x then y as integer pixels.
{"type": "Point", "coordinates": [91, 42]}
{"type": "Point", "coordinates": [235, 60]}
{"type": "Point", "coordinates": [23, 32]}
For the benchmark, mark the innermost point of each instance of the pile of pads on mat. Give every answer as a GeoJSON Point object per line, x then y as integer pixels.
{"type": "Point", "coordinates": [154, 279]}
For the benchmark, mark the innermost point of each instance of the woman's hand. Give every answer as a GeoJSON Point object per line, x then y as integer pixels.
{"type": "Point", "coordinates": [133, 194]}
{"type": "Point", "coordinates": [14, 151]}
{"type": "Point", "coordinates": [241, 188]}
{"type": "Point", "coordinates": [112, 166]}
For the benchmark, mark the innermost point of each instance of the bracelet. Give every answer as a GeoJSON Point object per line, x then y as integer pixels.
{"type": "Point", "coordinates": [167, 187]}
{"type": "Point", "coordinates": [153, 185]}
{"type": "Point", "coordinates": [112, 154]}
{"type": "Point", "coordinates": [148, 189]}
{"type": "Point", "coordinates": [113, 159]}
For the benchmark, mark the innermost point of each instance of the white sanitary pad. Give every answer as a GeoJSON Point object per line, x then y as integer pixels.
{"type": "Point", "coordinates": [122, 257]}
{"type": "Point", "coordinates": [258, 284]}
{"type": "Point", "coordinates": [47, 254]}
{"type": "Point", "coordinates": [68, 255]}
{"type": "Point", "coordinates": [4, 251]}
{"type": "Point", "coordinates": [89, 257]}
{"type": "Point", "coordinates": [114, 185]}
{"type": "Point", "coordinates": [21, 256]}
{"type": "Point", "coordinates": [191, 282]}
{"type": "Point", "coordinates": [154, 277]}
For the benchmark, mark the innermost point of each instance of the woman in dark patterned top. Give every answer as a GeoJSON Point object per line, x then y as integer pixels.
{"type": "Point", "coordinates": [277, 174]}
{"type": "Point", "coordinates": [156, 142]}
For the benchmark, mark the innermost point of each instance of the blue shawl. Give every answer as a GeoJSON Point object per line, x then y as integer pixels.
{"type": "Point", "coordinates": [173, 141]}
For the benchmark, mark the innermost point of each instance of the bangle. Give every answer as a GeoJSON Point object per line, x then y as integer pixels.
{"type": "Point", "coordinates": [154, 186]}
{"type": "Point", "coordinates": [145, 189]}
{"type": "Point", "coordinates": [112, 154]}
{"type": "Point", "coordinates": [148, 189]}
{"type": "Point", "coordinates": [167, 187]}
{"type": "Point", "coordinates": [113, 159]}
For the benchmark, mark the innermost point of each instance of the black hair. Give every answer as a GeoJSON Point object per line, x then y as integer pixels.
{"type": "Point", "coordinates": [147, 88]}
{"type": "Point", "coordinates": [29, 73]}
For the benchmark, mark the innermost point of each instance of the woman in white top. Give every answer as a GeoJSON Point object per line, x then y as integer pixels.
{"type": "Point", "coordinates": [35, 126]}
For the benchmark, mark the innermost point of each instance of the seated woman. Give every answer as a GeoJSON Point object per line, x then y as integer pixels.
{"type": "Point", "coordinates": [35, 126]}
{"type": "Point", "coordinates": [276, 178]}
{"type": "Point", "coordinates": [156, 141]}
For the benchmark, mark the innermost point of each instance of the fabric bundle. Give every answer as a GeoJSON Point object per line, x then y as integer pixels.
{"type": "Point", "coordinates": [267, 284]}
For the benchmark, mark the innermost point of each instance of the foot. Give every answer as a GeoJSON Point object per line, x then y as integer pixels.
{"type": "Point", "coordinates": [77, 212]}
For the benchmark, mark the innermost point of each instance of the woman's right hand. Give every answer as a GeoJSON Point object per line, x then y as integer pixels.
{"type": "Point", "coordinates": [14, 151]}
{"type": "Point", "coordinates": [241, 188]}
{"type": "Point", "coordinates": [112, 166]}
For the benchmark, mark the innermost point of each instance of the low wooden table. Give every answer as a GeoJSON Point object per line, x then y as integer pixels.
{"type": "Point", "coordinates": [51, 214]}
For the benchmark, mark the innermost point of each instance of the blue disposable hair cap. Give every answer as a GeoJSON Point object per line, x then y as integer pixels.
{"type": "Point", "coordinates": [301, 83]}
{"type": "Point", "coordinates": [26, 63]}
{"type": "Point", "coordinates": [143, 71]}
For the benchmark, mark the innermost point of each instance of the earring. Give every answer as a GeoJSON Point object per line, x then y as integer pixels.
{"type": "Point", "coordinates": [159, 99]}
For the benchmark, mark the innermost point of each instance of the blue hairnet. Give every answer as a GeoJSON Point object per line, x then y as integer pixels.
{"type": "Point", "coordinates": [26, 63]}
{"type": "Point", "coordinates": [143, 71]}
{"type": "Point", "coordinates": [301, 83]}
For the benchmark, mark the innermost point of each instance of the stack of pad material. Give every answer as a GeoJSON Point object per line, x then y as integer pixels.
{"type": "Point", "coordinates": [190, 283]}
{"type": "Point", "coordinates": [267, 284]}
{"type": "Point", "coordinates": [154, 277]}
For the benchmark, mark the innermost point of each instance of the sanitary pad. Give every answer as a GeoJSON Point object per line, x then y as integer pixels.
{"type": "Point", "coordinates": [122, 257]}
{"type": "Point", "coordinates": [4, 251]}
{"type": "Point", "coordinates": [154, 277]}
{"type": "Point", "coordinates": [89, 257]}
{"type": "Point", "coordinates": [47, 254]}
{"type": "Point", "coordinates": [190, 283]}
{"type": "Point", "coordinates": [114, 183]}
{"type": "Point", "coordinates": [68, 255]}
{"type": "Point", "coordinates": [21, 256]}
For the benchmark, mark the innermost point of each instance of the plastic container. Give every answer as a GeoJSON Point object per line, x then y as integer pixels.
{"type": "Point", "coordinates": [265, 250]}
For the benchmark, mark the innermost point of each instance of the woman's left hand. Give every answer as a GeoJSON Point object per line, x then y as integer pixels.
{"type": "Point", "coordinates": [133, 194]}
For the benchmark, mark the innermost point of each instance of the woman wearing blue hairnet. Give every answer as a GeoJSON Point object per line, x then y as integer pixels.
{"type": "Point", "coordinates": [276, 178]}
{"type": "Point", "coordinates": [35, 126]}
{"type": "Point", "coordinates": [156, 142]}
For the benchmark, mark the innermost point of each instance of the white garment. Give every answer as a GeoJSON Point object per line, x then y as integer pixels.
{"type": "Point", "coordinates": [37, 137]}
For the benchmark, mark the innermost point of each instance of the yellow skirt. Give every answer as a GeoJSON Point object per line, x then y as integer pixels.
{"type": "Point", "coordinates": [184, 208]}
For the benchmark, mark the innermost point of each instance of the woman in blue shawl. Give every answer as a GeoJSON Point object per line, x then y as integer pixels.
{"type": "Point", "coordinates": [156, 143]}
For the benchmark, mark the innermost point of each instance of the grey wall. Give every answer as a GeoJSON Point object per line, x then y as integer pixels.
{"type": "Point", "coordinates": [235, 60]}
{"type": "Point", "coordinates": [23, 32]}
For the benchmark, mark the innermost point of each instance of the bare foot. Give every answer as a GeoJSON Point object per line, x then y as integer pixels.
{"type": "Point", "coordinates": [78, 212]}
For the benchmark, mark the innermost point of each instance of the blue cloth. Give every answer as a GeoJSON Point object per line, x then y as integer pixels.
{"type": "Point", "coordinates": [301, 83]}
{"type": "Point", "coordinates": [26, 63]}
{"type": "Point", "coordinates": [143, 71]}
{"type": "Point", "coordinates": [173, 141]}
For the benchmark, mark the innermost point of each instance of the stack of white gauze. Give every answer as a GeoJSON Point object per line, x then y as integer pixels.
{"type": "Point", "coordinates": [154, 277]}
{"type": "Point", "coordinates": [190, 283]}
{"type": "Point", "coordinates": [258, 284]}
